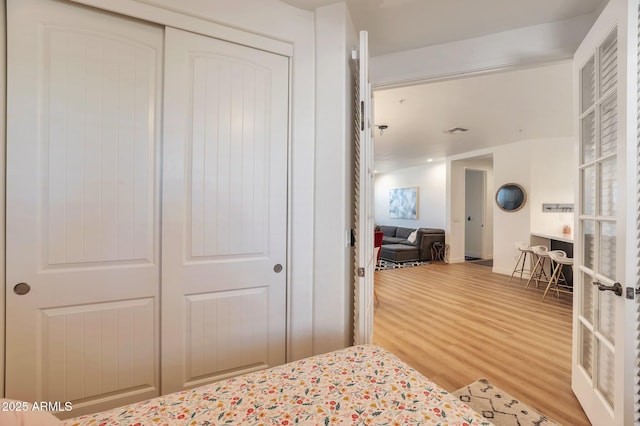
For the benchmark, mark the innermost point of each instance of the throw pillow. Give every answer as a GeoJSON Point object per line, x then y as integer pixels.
{"type": "Point", "coordinates": [412, 236]}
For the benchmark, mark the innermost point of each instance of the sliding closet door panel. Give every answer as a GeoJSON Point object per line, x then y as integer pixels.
{"type": "Point", "coordinates": [82, 206]}
{"type": "Point", "coordinates": [227, 176]}
{"type": "Point", "coordinates": [224, 210]}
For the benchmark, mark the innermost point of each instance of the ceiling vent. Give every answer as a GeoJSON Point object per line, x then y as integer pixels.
{"type": "Point", "coordinates": [456, 130]}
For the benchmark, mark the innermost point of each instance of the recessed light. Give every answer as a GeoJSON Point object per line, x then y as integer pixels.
{"type": "Point", "coordinates": [455, 130]}
{"type": "Point", "coordinates": [429, 160]}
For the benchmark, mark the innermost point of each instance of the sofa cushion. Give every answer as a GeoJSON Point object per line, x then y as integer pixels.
{"type": "Point", "coordinates": [399, 253]}
{"type": "Point", "coordinates": [432, 230]}
{"type": "Point", "coordinates": [408, 243]}
{"type": "Point", "coordinates": [393, 240]}
{"type": "Point", "coordinates": [404, 232]}
{"type": "Point", "coordinates": [389, 231]}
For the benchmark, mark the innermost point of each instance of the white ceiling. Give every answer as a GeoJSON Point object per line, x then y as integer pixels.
{"type": "Point", "coordinates": [397, 25]}
{"type": "Point", "coordinates": [496, 108]}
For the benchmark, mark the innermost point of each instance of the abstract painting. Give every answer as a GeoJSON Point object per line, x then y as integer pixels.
{"type": "Point", "coordinates": [403, 203]}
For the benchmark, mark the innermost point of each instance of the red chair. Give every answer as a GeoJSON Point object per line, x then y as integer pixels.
{"type": "Point", "coordinates": [377, 245]}
{"type": "Point", "coordinates": [377, 242]}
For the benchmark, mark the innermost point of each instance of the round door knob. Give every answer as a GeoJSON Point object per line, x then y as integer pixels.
{"type": "Point", "coordinates": [21, 289]}
{"type": "Point", "coordinates": [277, 268]}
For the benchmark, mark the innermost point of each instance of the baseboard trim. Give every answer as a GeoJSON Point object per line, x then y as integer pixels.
{"type": "Point", "coordinates": [504, 271]}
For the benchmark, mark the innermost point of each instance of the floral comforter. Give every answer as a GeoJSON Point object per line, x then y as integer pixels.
{"type": "Point", "coordinates": [359, 385]}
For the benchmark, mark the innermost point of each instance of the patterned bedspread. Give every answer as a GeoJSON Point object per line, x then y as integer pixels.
{"type": "Point", "coordinates": [358, 385]}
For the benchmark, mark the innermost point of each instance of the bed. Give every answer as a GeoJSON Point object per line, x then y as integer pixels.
{"type": "Point", "coordinates": [357, 385]}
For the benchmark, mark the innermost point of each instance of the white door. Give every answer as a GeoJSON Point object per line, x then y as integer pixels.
{"type": "Point", "coordinates": [224, 210]}
{"type": "Point", "coordinates": [82, 206]}
{"type": "Point", "coordinates": [474, 196]}
{"type": "Point", "coordinates": [605, 312]}
{"type": "Point", "coordinates": [364, 255]}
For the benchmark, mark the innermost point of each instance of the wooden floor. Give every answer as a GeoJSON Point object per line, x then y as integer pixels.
{"type": "Point", "coordinates": [460, 322]}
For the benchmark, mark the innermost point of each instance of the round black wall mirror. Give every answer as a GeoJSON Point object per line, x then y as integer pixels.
{"type": "Point", "coordinates": [511, 197]}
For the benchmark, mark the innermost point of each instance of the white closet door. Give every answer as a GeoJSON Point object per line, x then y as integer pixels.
{"type": "Point", "coordinates": [82, 206]}
{"type": "Point", "coordinates": [224, 210]}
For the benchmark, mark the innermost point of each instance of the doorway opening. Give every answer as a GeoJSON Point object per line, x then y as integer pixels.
{"type": "Point", "coordinates": [474, 208]}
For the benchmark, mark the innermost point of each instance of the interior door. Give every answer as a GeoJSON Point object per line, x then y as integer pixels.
{"type": "Point", "coordinates": [474, 196]}
{"type": "Point", "coordinates": [605, 272]}
{"type": "Point", "coordinates": [83, 95]}
{"type": "Point", "coordinates": [363, 182]}
{"type": "Point", "coordinates": [224, 210]}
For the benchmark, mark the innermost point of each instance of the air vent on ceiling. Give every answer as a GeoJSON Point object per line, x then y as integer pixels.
{"type": "Point", "coordinates": [456, 130]}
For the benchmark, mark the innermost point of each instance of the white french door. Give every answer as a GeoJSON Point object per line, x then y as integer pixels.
{"type": "Point", "coordinates": [364, 253]}
{"type": "Point", "coordinates": [82, 262]}
{"type": "Point", "coordinates": [605, 335]}
{"type": "Point", "coordinates": [224, 220]}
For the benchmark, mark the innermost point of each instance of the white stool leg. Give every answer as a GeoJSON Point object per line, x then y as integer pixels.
{"type": "Point", "coordinates": [533, 273]}
{"type": "Point", "coordinates": [554, 278]}
{"type": "Point", "coordinates": [515, 268]}
{"type": "Point", "coordinates": [542, 276]}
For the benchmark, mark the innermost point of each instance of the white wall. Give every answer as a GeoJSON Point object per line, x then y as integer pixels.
{"type": "Point", "coordinates": [431, 181]}
{"type": "Point", "coordinates": [552, 184]}
{"type": "Point", "coordinates": [548, 177]}
{"type": "Point", "coordinates": [332, 273]}
{"type": "Point", "coordinates": [456, 167]}
{"type": "Point", "coordinates": [544, 167]}
{"type": "Point", "coordinates": [511, 164]}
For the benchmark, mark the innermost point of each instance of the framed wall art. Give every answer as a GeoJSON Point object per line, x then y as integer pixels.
{"type": "Point", "coordinates": [403, 203]}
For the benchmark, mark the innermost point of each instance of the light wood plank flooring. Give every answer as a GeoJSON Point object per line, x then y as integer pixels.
{"type": "Point", "coordinates": [460, 322]}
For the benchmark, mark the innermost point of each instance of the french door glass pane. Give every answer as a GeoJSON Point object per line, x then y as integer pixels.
{"type": "Point", "coordinates": [586, 358]}
{"type": "Point", "coordinates": [605, 373]}
{"type": "Point", "coordinates": [608, 126]}
{"type": "Point", "coordinates": [607, 250]}
{"type": "Point", "coordinates": [589, 190]}
{"type": "Point", "coordinates": [608, 64]}
{"type": "Point", "coordinates": [588, 77]}
{"type": "Point", "coordinates": [589, 232]}
{"type": "Point", "coordinates": [589, 138]}
{"type": "Point", "coordinates": [608, 187]}
{"type": "Point", "coordinates": [606, 305]}
{"type": "Point", "coordinates": [587, 297]}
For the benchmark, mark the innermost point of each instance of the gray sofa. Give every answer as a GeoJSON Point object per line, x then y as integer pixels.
{"type": "Point", "coordinates": [425, 237]}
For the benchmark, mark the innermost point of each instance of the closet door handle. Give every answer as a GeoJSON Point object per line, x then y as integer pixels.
{"type": "Point", "coordinates": [277, 268]}
{"type": "Point", "coordinates": [616, 287]}
{"type": "Point", "coordinates": [21, 289]}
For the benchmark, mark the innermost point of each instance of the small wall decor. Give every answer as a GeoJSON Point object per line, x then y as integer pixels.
{"type": "Point", "coordinates": [511, 197]}
{"type": "Point", "coordinates": [557, 207]}
{"type": "Point", "coordinates": [403, 203]}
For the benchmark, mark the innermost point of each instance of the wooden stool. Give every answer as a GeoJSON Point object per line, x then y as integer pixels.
{"type": "Point", "coordinates": [538, 273]}
{"type": "Point", "coordinates": [525, 251]}
{"type": "Point", "coordinates": [560, 259]}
